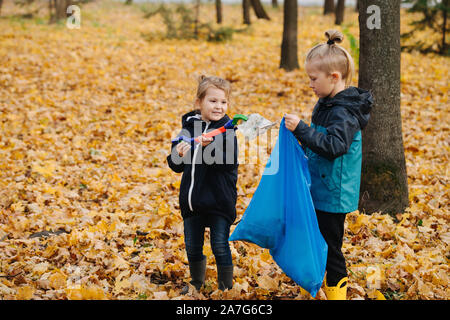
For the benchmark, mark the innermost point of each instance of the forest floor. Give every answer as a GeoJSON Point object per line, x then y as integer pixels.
{"type": "Point", "coordinates": [86, 118]}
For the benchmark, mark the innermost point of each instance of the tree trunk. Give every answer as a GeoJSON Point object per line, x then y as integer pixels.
{"type": "Point", "coordinates": [289, 57]}
{"type": "Point", "coordinates": [384, 185]}
{"type": "Point", "coordinates": [259, 10]}
{"type": "Point", "coordinates": [328, 7]}
{"type": "Point", "coordinates": [246, 11]}
{"type": "Point", "coordinates": [444, 26]}
{"type": "Point", "coordinates": [196, 19]}
{"type": "Point", "coordinates": [1, 2]}
{"type": "Point", "coordinates": [340, 8]}
{"type": "Point", "coordinates": [357, 6]}
{"type": "Point", "coordinates": [219, 11]}
{"type": "Point", "coordinates": [274, 3]}
{"type": "Point", "coordinates": [50, 11]}
{"type": "Point", "coordinates": [58, 9]}
{"type": "Point", "coordinates": [61, 9]}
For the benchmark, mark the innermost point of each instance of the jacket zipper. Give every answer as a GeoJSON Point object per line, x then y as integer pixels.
{"type": "Point", "coordinates": [191, 187]}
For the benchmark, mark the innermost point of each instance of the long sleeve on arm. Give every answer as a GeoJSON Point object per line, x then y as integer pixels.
{"type": "Point", "coordinates": [337, 139]}
{"type": "Point", "coordinates": [222, 153]}
{"type": "Point", "coordinates": [175, 162]}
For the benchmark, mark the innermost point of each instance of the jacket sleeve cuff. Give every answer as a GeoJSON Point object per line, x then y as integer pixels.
{"type": "Point", "coordinates": [299, 131]}
{"type": "Point", "coordinates": [177, 167]}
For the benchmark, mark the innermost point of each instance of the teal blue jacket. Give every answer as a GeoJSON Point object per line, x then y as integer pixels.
{"type": "Point", "coordinates": [333, 145]}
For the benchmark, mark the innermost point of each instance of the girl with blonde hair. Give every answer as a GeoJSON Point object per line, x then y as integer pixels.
{"type": "Point", "coordinates": [208, 190]}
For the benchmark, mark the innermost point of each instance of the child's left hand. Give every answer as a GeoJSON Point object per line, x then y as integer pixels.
{"type": "Point", "coordinates": [291, 121]}
{"type": "Point", "coordinates": [205, 140]}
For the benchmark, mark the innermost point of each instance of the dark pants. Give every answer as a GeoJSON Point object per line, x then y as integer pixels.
{"type": "Point", "coordinates": [194, 230]}
{"type": "Point", "coordinates": [331, 227]}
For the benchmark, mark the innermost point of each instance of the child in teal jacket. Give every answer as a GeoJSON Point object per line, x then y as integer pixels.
{"type": "Point", "coordinates": [334, 148]}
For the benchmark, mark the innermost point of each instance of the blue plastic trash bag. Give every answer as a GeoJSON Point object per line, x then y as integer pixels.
{"type": "Point", "coordinates": [281, 215]}
{"type": "Point", "coordinates": [263, 220]}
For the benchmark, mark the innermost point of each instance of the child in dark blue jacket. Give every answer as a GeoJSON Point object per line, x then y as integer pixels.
{"type": "Point", "coordinates": [333, 147]}
{"type": "Point", "coordinates": [208, 190]}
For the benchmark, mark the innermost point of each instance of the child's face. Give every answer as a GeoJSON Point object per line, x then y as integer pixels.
{"type": "Point", "coordinates": [214, 104]}
{"type": "Point", "coordinates": [322, 84]}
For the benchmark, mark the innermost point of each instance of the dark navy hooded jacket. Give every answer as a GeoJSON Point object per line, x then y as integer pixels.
{"type": "Point", "coordinates": [334, 148]}
{"type": "Point", "coordinates": [208, 183]}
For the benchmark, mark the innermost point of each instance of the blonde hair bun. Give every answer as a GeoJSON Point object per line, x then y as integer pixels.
{"type": "Point", "coordinates": [332, 57]}
{"type": "Point", "coordinates": [334, 36]}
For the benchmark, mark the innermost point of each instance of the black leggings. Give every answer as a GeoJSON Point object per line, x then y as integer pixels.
{"type": "Point", "coordinates": [331, 227]}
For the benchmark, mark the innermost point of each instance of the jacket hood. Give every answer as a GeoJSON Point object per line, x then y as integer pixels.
{"type": "Point", "coordinates": [188, 119]}
{"type": "Point", "coordinates": [357, 101]}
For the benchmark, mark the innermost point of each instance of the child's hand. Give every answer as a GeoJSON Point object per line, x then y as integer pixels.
{"type": "Point", "coordinates": [205, 140]}
{"type": "Point", "coordinates": [182, 148]}
{"type": "Point", "coordinates": [291, 121]}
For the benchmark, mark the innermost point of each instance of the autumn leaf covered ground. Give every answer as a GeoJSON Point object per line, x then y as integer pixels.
{"type": "Point", "coordinates": [86, 117]}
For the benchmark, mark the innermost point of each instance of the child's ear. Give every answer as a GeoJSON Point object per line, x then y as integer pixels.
{"type": "Point", "coordinates": [336, 76]}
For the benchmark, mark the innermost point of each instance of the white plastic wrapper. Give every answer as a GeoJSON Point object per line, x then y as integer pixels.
{"type": "Point", "coordinates": [254, 126]}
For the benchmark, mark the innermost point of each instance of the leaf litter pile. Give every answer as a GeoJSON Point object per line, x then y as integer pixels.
{"type": "Point", "coordinates": [89, 208]}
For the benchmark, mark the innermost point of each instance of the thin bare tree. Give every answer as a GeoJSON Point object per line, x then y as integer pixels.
{"type": "Point", "coordinates": [289, 56]}
{"type": "Point", "coordinates": [219, 11]}
{"type": "Point", "coordinates": [328, 7]}
{"type": "Point", "coordinates": [340, 9]}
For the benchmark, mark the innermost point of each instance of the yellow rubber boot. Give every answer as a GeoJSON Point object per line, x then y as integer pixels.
{"type": "Point", "coordinates": [339, 292]}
